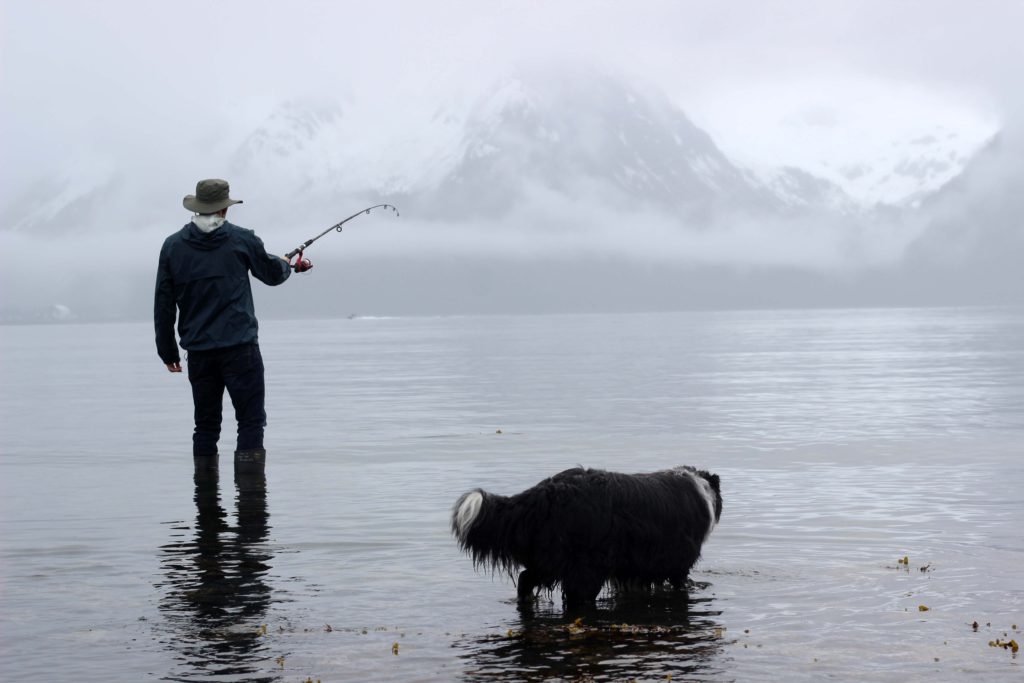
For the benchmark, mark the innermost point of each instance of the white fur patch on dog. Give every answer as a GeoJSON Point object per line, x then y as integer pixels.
{"type": "Point", "coordinates": [708, 494]}
{"type": "Point", "coordinates": [467, 513]}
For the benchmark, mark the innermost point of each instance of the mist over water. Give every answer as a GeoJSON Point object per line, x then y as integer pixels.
{"type": "Point", "coordinates": [845, 441]}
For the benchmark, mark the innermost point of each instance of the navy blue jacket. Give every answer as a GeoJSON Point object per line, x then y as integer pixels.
{"type": "Point", "coordinates": [206, 276]}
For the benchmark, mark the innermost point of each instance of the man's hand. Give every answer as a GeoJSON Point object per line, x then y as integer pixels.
{"type": "Point", "coordinates": [174, 367]}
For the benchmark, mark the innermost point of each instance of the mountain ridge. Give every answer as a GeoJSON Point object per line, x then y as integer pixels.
{"type": "Point", "coordinates": [570, 136]}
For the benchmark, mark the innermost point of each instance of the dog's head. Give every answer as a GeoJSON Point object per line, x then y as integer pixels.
{"type": "Point", "coordinates": [715, 483]}
{"type": "Point", "coordinates": [710, 487]}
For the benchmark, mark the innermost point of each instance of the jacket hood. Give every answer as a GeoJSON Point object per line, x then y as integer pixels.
{"type": "Point", "coordinates": [205, 241]}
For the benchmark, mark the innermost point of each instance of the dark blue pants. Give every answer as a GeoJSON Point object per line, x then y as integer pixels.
{"type": "Point", "coordinates": [239, 369]}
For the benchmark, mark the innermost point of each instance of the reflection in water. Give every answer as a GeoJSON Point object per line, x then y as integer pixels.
{"type": "Point", "coordinates": [664, 633]}
{"type": "Point", "coordinates": [215, 597]}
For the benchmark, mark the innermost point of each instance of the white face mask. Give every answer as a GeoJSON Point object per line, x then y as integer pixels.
{"type": "Point", "coordinates": [208, 222]}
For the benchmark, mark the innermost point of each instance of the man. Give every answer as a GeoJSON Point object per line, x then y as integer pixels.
{"type": "Point", "coordinates": [204, 273]}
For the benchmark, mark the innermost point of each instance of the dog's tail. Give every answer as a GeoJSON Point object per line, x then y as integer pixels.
{"type": "Point", "coordinates": [488, 530]}
{"type": "Point", "coordinates": [465, 514]}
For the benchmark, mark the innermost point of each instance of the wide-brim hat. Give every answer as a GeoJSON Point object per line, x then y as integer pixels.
{"type": "Point", "coordinates": [211, 196]}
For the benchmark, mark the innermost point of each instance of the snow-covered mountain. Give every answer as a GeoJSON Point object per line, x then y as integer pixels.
{"type": "Point", "coordinates": [67, 199]}
{"type": "Point", "coordinates": [882, 140]}
{"type": "Point", "coordinates": [569, 137]}
{"type": "Point", "coordinates": [317, 147]}
{"type": "Point", "coordinates": [589, 137]}
{"type": "Point", "coordinates": [303, 139]}
{"type": "Point", "coordinates": [577, 168]}
{"type": "Point", "coordinates": [900, 172]}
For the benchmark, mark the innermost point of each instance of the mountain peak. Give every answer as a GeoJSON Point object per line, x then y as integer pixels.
{"type": "Point", "coordinates": [291, 128]}
{"type": "Point", "coordinates": [581, 133]}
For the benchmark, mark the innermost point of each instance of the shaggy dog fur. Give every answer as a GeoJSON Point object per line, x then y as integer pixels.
{"type": "Point", "coordinates": [582, 528]}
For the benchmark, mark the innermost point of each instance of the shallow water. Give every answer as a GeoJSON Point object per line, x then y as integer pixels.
{"type": "Point", "coordinates": [845, 440]}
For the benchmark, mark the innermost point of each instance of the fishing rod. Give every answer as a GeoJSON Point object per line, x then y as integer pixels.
{"type": "Point", "coordinates": [337, 226]}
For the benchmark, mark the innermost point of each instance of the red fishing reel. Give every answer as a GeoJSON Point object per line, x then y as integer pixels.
{"type": "Point", "coordinates": [301, 265]}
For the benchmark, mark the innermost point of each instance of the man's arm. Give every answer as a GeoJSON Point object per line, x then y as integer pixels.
{"type": "Point", "coordinates": [163, 316]}
{"type": "Point", "coordinates": [270, 270]}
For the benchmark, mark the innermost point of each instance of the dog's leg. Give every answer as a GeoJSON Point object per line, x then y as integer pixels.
{"type": "Point", "coordinates": [581, 591]}
{"type": "Point", "coordinates": [525, 586]}
{"type": "Point", "coordinates": [679, 583]}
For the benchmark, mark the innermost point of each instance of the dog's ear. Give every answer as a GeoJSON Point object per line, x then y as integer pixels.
{"type": "Point", "coordinates": [714, 481]}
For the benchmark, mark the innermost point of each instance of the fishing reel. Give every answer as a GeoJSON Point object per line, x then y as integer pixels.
{"type": "Point", "coordinates": [301, 265]}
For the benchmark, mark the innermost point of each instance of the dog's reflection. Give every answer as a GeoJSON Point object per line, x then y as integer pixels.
{"type": "Point", "coordinates": [215, 594]}
{"type": "Point", "coordinates": [641, 636]}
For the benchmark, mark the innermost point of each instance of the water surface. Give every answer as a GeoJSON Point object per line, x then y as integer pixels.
{"type": "Point", "coordinates": [846, 440]}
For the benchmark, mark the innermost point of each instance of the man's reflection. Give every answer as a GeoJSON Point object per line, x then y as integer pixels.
{"type": "Point", "coordinates": [216, 597]}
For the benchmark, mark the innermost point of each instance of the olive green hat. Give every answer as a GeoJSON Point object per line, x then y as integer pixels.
{"type": "Point", "coordinates": [211, 196]}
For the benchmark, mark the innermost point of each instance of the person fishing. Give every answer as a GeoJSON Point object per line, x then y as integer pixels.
{"type": "Point", "coordinates": [203, 272]}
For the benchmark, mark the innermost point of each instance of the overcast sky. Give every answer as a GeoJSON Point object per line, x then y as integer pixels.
{"type": "Point", "coordinates": [139, 86]}
{"type": "Point", "coordinates": [78, 78]}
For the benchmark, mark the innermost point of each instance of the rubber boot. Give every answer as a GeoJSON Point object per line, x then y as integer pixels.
{"type": "Point", "coordinates": [205, 463]}
{"type": "Point", "coordinates": [251, 461]}
{"type": "Point", "coordinates": [249, 475]}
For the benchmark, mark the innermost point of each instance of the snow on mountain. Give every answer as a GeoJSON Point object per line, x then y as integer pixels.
{"type": "Point", "coordinates": [584, 136]}
{"type": "Point", "coordinates": [881, 142]}
{"type": "Point", "coordinates": [319, 147]}
{"type": "Point", "coordinates": [574, 135]}
{"type": "Point", "coordinates": [899, 172]}
{"type": "Point", "coordinates": [797, 189]}
{"type": "Point", "coordinates": [290, 131]}
{"type": "Point", "coordinates": [67, 200]}
{"type": "Point", "coordinates": [570, 136]}
{"type": "Point", "coordinates": [302, 143]}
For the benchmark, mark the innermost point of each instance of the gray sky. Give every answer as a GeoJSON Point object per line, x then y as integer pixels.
{"type": "Point", "coordinates": [81, 77]}
{"type": "Point", "coordinates": [144, 88]}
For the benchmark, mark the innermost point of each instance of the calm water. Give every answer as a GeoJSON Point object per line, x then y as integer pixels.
{"type": "Point", "coordinates": [845, 440]}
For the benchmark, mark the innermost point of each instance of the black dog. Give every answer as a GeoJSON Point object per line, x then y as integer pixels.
{"type": "Point", "coordinates": [582, 528]}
